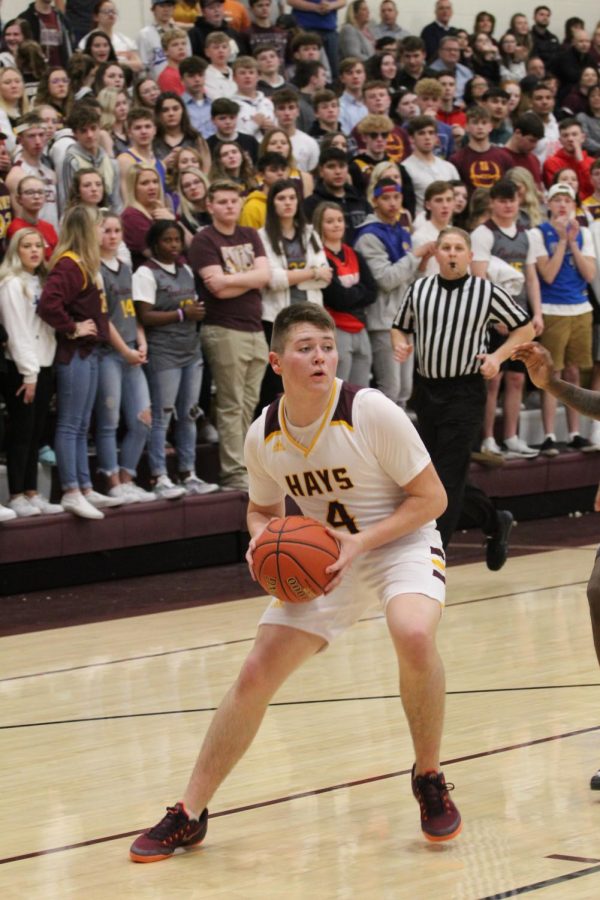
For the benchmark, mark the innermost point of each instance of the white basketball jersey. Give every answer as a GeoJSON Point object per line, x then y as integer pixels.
{"type": "Point", "coordinates": [351, 473]}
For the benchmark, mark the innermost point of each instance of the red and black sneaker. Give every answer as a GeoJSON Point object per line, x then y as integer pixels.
{"type": "Point", "coordinates": [177, 829]}
{"type": "Point", "coordinates": [440, 819]}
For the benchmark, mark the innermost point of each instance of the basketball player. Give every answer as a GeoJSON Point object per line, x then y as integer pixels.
{"type": "Point", "coordinates": [351, 459]}
{"type": "Point", "coordinates": [542, 372]}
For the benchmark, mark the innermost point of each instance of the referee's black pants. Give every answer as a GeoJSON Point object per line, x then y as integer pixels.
{"type": "Point", "coordinates": [450, 415]}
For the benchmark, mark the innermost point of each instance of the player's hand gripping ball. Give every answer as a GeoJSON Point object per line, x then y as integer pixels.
{"type": "Point", "coordinates": [290, 558]}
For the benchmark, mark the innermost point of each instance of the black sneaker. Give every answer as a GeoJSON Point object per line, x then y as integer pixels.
{"type": "Point", "coordinates": [176, 829]}
{"type": "Point", "coordinates": [595, 781]}
{"type": "Point", "coordinates": [440, 819]}
{"type": "Point", "coordinates": [582, 444]}
{"type": "Point", "coordinates": [497, 546]}
{"type": "Point", "coordinates": [549, 447]}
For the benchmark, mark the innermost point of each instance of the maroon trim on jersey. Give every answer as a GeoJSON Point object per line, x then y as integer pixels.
{"type": "Point", "coordinates": [272, 418]}
{"type": "Point", "coordinates": [343, 410]}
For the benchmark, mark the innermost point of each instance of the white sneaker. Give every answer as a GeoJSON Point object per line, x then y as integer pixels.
{"type": "Point", "coordinates": [7, 514]}
{"type": "Point", "coordinates": [489, 445]}
{"type": "Point", "coordinates": [207, 433]}
{"type": "Point", "coordinates": [102, 501]}
{"type": "Point", "coordinates": [131, 493]}
{"type": "Point", "coordinates": [166, 490]}
{"type": "Point", "coordinates": [22, 507]}
{"type": "Point", "coordinates": [595, 434]}
{"type": "Point", "coordinates": [518, 449]}
{"type": "Point", "coordinates": [45, 507]}
{"type": "Point", "coordinates": [77, 504]}
{"type": "Point", "coordinates": [195, 485]}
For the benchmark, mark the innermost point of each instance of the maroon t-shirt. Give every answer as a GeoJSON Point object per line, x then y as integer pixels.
{"type": "Point", "coordinates": [235, 252]}
{"type": "Point", "coordinates": [527, 161]}
{"type": "Point", "coordinates": [480, 169]}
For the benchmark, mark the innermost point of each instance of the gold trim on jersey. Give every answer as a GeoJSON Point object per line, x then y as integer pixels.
{"type": "Point", "coordinates": [306, 450]}
{"type": "Point", "coordinates": [342, 422]}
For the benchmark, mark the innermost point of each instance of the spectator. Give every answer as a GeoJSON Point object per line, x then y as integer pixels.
{"type": "Point", "coordinates": [271, 167]}
{"type": "Point", "coordinates": [150, 48]}
{"type": "Point", "coordinates": [512, 58]}
{"type": "Point", "coordinates": [224, 113]}
{"type": "Point", "coordinates": [105, 19]}
{"type": "Point", "coordinates": [485, 58]}
{"type": "Point", "coordinates": [231, 164]}
{"type": "Point", "coordinates": [144, 204]}
{"type": "Point", "coordinates": [433, 34]}
{"type": "Point", "coordinates": [531, 212]}
{"type": "Point", "coordinates": [519, 26]}
{"type": "Point", "coordinates": [591, 204]}
{"type": "Point", "coordinates": [429, 100]}
{"type": "Point", "coordinates": [375, 131]}
{"type": "Point", "coordinates": [27, 382]}
{"type": "Point", "coordinates": [197, 103]}
{"type": "Point", "coordinates": [479, 163]}
{"type": "Point", "coordinates": [218, 80]}
{"type": "Point", "coordinates": [13, 101]}
{"type": "Point", "coordinates": [141, 132]}
{"type": "Point", "coordinates": [566, 264]}
{"type": "Point", "coordinates": [423, 166]}
{"type": "Point", "coordinates": [32, 138]}
{"type": "Point", "coordinates": [387, 249]}
{"type": "Point", "coordinates": [262, 32]}
{"type": "Point", "coordinates": [277, 141]}
{"type": "Point", "coordinates": [413, 62]}
{"type": "Point", "coordinates": [110, 74]}
{"type": "Point", "coordinates": [29, 201]}
{"type": "Point", "coordinates": [168, 307]}
{"type": "Point", "coordinates": [520, 147]}
{"type": "Point", "coordinates": [352, 107]}
{"type": "Point", "coordinates": [542, 104]}
{"type": "Point", "coordinates": [388, 23]}
{"type": "Point", "coordinates": [98, 45]}
{"type": "Point", "coordinates": [233, 269]}
{"type": "Point", "coordinates": [113, 120]}
{"type": "Point", "coordinates": [256, 113]}
{"type": "Point", "coordinates": [383, 67]}
{"type": "Point", "coordinates": [569, 63]}
{"type": "Point", "coordinates": [327, 114]}
{"type": "Point", "coordinates": [544, 44]}
{"type": "Point", "coordinates": [175, 44]}
{"type": "Point", "coordinates": [577, 100]}
{"type": "Point", "coordinates": [356, 38]}
{"type": "Point", "coordinates": [304, 147]}
{"type": "Point", "coordinates": [145, 93]}
{"type": "Point", "coordinates": [299, 271]}
{"type": "Point", "coordinates": [323, 24]}
{"type": "Point", "coordinates": [87, 152]}
{"type": "Point", "coordinates": [174, 131]}
{"type": "Point", "coordinates": [122, 387]}
{"type": "Point", "coordinates": [447, 61]}
{"type": "Point", "coordinates": [495, 100]}
{"type": "Point", "coordinates": [570, 155]}
{"type": "Point", "coordinates": [332, 185]}
{"type": "Point", "coordinates": [309, 78]}
{"type": "Point", "coordinates": [213, 19]}
{"type": "Point", "coordinates": [71, 303]}
{"type": "Point", "coordinates": [269, 69]}
{"type": "Point", "coordinates": [192, 187]}
{"type": "Point", "coordinates": [439, 210]}
{"type": "Point", "coordinates": [351, 290]}
{"type": "Point", "coordinates": [50, 29]}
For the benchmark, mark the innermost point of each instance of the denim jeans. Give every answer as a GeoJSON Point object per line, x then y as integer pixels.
{"type": "Point", "coordinates": [76, 385]}
{"type": "Point", "coordinates": [174, 392]}
{"type": "Point", "coordinates": [121, 388]}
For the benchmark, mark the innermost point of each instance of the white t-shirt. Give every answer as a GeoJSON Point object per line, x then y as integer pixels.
{"type": "Point", "coordinates": [425, 233]}
{"type": "Point", "coordinates": [423, 173]}
{"type": "Point", "coordinates": [219, 84]}
{"type": "Point", "coordinates": [305, 151]}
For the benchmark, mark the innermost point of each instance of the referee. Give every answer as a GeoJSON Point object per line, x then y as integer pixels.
{"type": "Point", "coordinates": [449, 315]}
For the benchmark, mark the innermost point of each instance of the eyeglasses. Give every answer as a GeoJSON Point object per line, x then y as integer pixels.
{"type": "Point", "coordinates": [59, 81]}
{"type": "Point", "coordinates": [376, 134]}
{"type": "Point", "coordinates": [33, 193]}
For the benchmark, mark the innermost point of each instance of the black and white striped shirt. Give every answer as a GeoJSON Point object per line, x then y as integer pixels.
{"type": "Point", "coordinates": [450, 320]}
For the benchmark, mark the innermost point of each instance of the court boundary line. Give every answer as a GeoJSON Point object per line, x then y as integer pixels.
{"type": "Point", "coordinates": [301, 795]}
{"type": "Point", "coordinates": [125, 659]}
{"type": "Point", "coordinates": [285, 703]}
{"type": "Point", "coordinates": [540, 885]}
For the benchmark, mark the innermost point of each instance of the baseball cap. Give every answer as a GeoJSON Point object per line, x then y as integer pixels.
{"type": "Point", "coordinates": [561, 189]}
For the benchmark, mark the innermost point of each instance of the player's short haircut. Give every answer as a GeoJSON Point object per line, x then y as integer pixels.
{"type": "Point", "coordinates": [568, 123]}
{"type": "Point", "coordinates": [436, 188]}
{"type": "Point", "coordinates": [283, 97]}
{"type": "Point", "coordinates": [299, 314]}
{"type": "Point", "coordinates": [529, 124]}
{"type": "Point", "coordinates": [420, 123]}
{"type": "Point", "coordinates": [305, 39]}
{"type": "Point", "coordinates": [245, 62]}
{"type": "Point", "coordinates": [223, 185]}
{"type": "Point", "coordinates": [215, 38]}
{"type": "Point", "coordinates": [139, 114]}
{"type": "Point", "coordinates": [192, 65]}
{"type": "Point", "coordinates": [503, 189]}
{"type": "Point", "coordinates": [224, 106]}
{"type": "Point", "coordinates": [324, 96]}
{"type": "Point", "coordinates": [478, 114]}
{"type": "Point", "coordinates": [429, 87]}
{"type": "Point", "coordinates": [453, 229]}
{"type": "Point", "coordinates": [348, 63]}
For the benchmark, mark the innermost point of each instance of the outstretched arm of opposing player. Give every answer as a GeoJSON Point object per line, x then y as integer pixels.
{"type": "Point", "coordinates": [426, 500]}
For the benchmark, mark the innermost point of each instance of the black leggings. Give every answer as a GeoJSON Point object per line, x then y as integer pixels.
{"type": "Point", "coordinates": [25, 427]}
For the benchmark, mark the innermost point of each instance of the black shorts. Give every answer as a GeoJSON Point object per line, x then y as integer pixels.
{"type": "Point", "coordinates": [496, 340]}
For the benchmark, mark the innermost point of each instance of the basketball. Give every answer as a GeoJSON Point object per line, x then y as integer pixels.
{"type": "Point", "coordinates": [291, 556]}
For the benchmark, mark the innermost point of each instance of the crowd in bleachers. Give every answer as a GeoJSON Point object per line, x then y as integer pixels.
{"type": "Point", "coordinates": [163, 195]}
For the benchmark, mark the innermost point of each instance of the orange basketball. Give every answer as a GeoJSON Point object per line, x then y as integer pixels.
{"type": "Point", "coordinates": [291, 556]}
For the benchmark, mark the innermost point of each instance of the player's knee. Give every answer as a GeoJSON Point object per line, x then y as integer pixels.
{"type": "Point", "coordinates": [253, 679]}
{"type": "Point", "coordinates": [415, 645]}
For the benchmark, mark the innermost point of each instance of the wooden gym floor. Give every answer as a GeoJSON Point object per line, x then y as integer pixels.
{"type": "Point", "coordinates": [101, 722]}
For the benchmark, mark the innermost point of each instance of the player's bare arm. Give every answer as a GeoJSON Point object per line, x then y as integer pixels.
{"type": "Point", "coordinates": [257, 519]}
{"type": "Point", "coordinates": [541, 371]}
{"type": "Point", "coordinates": [426, 501]}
